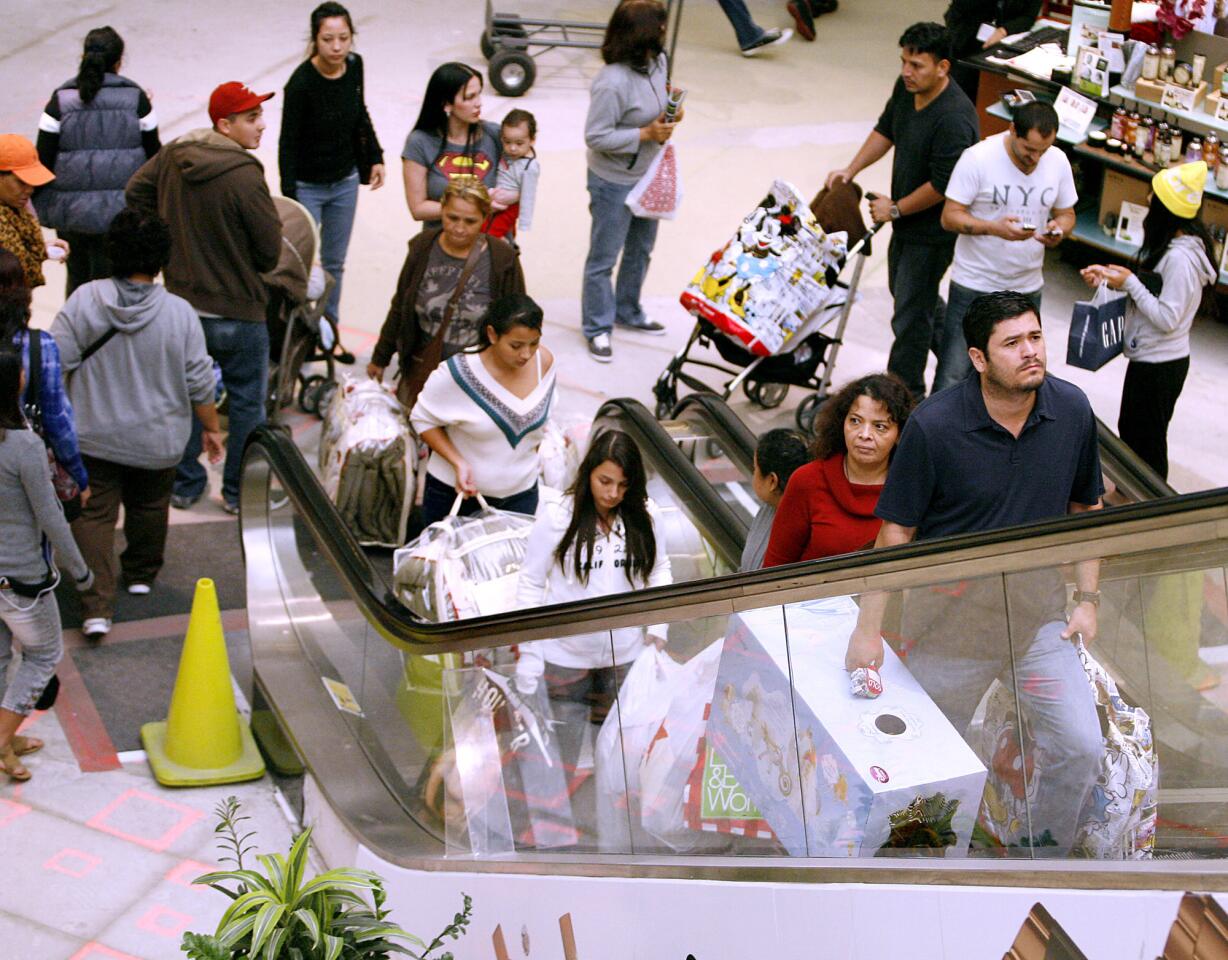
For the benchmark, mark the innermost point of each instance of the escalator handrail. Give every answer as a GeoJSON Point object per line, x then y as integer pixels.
{"type": "Point", "coordinates": [725, 529]}
{"type": "Point", "coordinates": [1142, 474]}
{"type": "Point", "coordinates": [739, 591]}
{"type": "Point", "coordinates": [734, 435]}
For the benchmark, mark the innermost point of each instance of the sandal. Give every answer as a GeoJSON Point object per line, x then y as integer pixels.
{"type": "Point", "coordinates": [11, 765]}
{"type": "Point", "coordinates": [25, 745]}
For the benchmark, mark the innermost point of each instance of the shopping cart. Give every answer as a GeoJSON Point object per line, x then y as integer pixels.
{"type": "Point", "coordinates": [807, 360]}
{"type": "Point", "coordinates": [510, 43]}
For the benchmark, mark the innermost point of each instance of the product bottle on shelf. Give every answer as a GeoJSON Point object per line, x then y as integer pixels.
{"type": "Point", "coordinates": [1127, 139]}
{"type": "Point", "coordinates": [1221, 171]}
{"type": "Point", "coordinates": [1210, 151]}
{"type": "Point", "coordinates": [1168, 57]}
{"type": "Point", "coordinates": [1117, 126]}
{"type": "Point", "coordinates": [1193, 150]}
{"type": "Point", "coordinates": [1151, 63]}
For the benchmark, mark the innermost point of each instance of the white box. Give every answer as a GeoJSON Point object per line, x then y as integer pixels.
{"type": "Point", "coordinates": [860, 760]}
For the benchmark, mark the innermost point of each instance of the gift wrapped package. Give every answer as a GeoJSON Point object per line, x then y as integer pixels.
{"type": "Point", "coordinates": [774, 276]}
{"type": "Point", "coordinates": [857, 776]}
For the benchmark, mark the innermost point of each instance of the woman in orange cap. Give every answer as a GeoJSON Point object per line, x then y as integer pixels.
{"type": "Point", "coordinates": [20, 233]}
{"type": "Point", "coordinates": [1177, 248]}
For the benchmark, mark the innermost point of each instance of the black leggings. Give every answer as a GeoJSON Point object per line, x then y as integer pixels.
{"type": "Point", "coordinates": [1147, 400]}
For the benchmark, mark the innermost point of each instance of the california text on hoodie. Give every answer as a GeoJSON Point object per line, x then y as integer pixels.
{"type": "Point", "coordinates": [133, 396]}
{"type": "Point", "coordinates": [225, 230]}
{"type": "Point", "coordinates": [543, 581]}
{"type": "Point", "coordinates": [1158, 328]}
{"type": "Point", "coordinates": [822, 514]}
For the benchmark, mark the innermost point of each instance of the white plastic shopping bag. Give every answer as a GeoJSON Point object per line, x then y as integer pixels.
{"type": "Point", "coordinates": [659, 192]}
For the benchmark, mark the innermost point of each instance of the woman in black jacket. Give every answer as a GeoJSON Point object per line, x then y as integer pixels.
{"type": "Point", "coordinates": [328, 144]}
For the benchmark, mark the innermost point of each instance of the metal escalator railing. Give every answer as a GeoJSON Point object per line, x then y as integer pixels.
{"type": "Point", "coordinates": [316, 609]}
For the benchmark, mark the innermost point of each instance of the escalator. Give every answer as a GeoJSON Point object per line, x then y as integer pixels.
{"type": "Point", "coordinates": [319, 616]}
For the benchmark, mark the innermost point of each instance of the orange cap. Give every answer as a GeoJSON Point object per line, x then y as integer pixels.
{"type": "Point", "coordinates": [18, 156]}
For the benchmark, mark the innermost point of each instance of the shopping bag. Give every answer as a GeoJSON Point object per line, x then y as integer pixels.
{"type": "Point", "coordinates": [1096, 329]}
{"type": "Point", "coordinates": [670, 755]}
{"type": "Point", "coordinates": [1119, 819]}
{"type": "Point", "coordinates": [659, 191]}
{"type": "Point", "coordinates": [643, 702]}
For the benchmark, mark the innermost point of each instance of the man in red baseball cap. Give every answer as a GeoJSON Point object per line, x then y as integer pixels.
{"type": "Point", "coordinates": [225, 232]}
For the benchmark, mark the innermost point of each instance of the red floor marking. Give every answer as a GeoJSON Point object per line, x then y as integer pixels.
{"type": "Point", "coordinates": [93, 950]}
{"type": "Point", "coordinates": [164, 921]}
{"type": "Point", "coordinates": [10, 810]}
{"type": "Point", "coordinates": [59, 862]}
{"type": "Point", "coordinates": [83, 727]}
{"type": "Point", "coordinates": [186, 872]}
{"type": "Point", "coordinates": [188, 816]}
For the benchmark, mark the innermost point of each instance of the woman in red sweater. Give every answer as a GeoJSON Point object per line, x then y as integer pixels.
{"type": "Point", "coordinates": [828, 506]}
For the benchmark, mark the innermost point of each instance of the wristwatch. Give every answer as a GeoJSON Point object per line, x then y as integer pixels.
{"type": "Point", "coordinates": [1087, 596]}
{"type": "Point", "coordinates": [895, 211]}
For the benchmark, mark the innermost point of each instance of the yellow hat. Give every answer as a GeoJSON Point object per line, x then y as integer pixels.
{"type": "Point", "coordinates": [1180, 188]}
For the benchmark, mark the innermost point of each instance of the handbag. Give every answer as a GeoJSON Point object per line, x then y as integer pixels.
{"type": "Point", "coordinates": [659, 191]}
{"type": "Point", "coordinates": [364, 132]}
{"type": "Point", "coordinates": [1097, 329]}
{"type": "Point", "coordinates": [414, 370]}
{"type": "Point", "coordinates": [66, 488]}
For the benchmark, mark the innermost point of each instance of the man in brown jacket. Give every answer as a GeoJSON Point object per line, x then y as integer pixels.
{"type": "Point", "coordinates": [225, 232]}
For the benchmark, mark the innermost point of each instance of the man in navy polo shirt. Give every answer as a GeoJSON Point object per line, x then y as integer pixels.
{"type": "Point", "coordinates": [1007, 445]}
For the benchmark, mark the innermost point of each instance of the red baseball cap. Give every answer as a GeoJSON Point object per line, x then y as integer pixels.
{"type": "Point", "coordinates": [18, 157]}
{"type": "Point", "coordinates": [233, 97]}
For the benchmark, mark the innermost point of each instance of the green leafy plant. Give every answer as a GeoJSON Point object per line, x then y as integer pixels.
{"type": "Point", "coordinates": [277, 914]}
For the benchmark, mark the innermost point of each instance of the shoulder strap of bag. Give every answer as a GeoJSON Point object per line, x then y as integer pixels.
{"type": "Point", "coordinates": [34, 409]}
{"type": "Point", "coordinates": [471, 263]}
{"type": "Point", "coordinates": [97, 345]}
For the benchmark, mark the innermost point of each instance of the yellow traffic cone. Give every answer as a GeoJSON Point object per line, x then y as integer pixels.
{"type": "Point", "coordinates": [203, 741]}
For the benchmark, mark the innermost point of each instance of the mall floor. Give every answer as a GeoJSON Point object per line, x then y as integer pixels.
{"type": "Point", "coordinates": [96, 853]}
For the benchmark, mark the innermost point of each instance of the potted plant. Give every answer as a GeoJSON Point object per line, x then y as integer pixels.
{"type": "Point", "coordinates": [278, 914]}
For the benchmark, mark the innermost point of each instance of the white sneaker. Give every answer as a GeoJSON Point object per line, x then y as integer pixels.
{"type": "Point", "coordinates": [599, 348]}
{"type": "Point", "coordinates": [139, 589]}
{"type": "Point", "coordinates": [95, 628]}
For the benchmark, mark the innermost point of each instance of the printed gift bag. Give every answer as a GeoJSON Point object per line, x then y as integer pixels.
{"type": "Point", "coordinates": [1096, 329]}
{"type": "Point", "coordinates": [659, 191]}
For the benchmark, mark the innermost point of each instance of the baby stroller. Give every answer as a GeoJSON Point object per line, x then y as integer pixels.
{"type": "Point", "coordinates": [766, 364]}
{"type": "Point", "coordinates": [299, 333]}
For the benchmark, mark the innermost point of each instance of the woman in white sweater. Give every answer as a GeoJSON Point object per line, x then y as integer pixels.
{"type": "Point", "coordinates": [602, 537]}
{"type": "Point", "coordinates": [483, 414]}
{"type": "Point", "coordinates": [1177, 246]}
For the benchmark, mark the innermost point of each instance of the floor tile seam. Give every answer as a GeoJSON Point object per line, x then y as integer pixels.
{"type": "Point", "coordinates": [21, 918]}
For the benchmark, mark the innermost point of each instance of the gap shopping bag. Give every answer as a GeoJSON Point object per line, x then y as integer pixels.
{"type": "Point", "coordinates": [1096, 329]}
{"type": "Point", "coordinates": [659, 192]}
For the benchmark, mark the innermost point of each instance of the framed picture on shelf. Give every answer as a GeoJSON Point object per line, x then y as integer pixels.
{"type": "Point", "coordinates": [1091, 73]}
{"type": "Point", "coordinates": [1130, 223]}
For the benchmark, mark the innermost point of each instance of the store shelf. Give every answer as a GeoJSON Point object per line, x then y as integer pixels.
{"type": "Point", "coordinates": [1133, 167]}
{"type": "Point", "coordinates": [1199, 117]}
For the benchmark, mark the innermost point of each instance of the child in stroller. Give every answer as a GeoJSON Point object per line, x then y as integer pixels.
{"type": "Point", "coordinates": [299, 332]}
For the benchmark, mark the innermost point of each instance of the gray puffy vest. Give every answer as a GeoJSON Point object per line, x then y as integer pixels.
{"type": "Point", "coordinates": [100, 150]}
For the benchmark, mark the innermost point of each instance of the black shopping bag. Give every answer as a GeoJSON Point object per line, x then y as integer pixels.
{"type": "Point", "coordinates": [1096, 329]}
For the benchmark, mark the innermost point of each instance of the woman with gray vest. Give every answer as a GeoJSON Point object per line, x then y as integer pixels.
{"type": "Point", "coordinates": [95, 132]}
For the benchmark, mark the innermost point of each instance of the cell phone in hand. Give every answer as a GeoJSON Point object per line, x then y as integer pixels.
{"type": "Point", "coordinates": [1028, 227]}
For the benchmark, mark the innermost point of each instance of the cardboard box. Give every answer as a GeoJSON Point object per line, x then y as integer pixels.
{"type": "Point", "coordinates": [1217, 77]}
{"type": "Point", "coordinates": [1153, 92]}
{"type": "Point", "coordinates": [1119, 186]}
{"type": "Point", "coordinates": [825, 769]}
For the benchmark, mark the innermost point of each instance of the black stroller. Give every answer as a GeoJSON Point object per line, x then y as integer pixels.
{"type": "Point", "coordinates": [299, 333]}
{"type": "Point", "coordinates": [807, 360]}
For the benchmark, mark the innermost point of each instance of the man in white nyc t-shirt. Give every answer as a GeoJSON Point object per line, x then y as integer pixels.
{"type": "Point", "coordinates": [1009, 197]}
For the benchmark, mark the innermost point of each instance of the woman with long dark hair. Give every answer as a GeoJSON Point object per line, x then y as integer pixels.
{"type": "Point", "coordinates": [828, 505]}
{"type": "Point", "coordinates": [483, 413]}
{"type": "Point", "coordinates": [31, 521]}
{"type": "Point", "coordinates": [449, 139]}
{"type": "Point", "coordinates": [1177, 247]}
{"type": "Point", "coordinates": [328, 144]}
{"type": "Point", "coordinates": [95, 132]}
{"type": "Point", "coordinates": [625, 129]}
{"type": "Point", "coordinates": [602, 537]}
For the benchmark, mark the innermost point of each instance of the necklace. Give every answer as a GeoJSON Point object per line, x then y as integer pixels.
{"type": "Point", "coordinates": [880, 479]}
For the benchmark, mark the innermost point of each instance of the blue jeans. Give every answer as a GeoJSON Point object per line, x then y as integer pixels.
{"type": "Point", "coordinates": [744, 27]}
{"type": "Point", "coordinates": [953, 362]}
{"type": "Point", "coordinates": [333, 206]}
{"type": "Point", "coordinates": [1054, 695]}
{"type": "Point", "coordinates": [35, 625]}
{"type": "Point", "coordinates": [241, 349]}
{"type": "Point", "coordinates": [615, 230]}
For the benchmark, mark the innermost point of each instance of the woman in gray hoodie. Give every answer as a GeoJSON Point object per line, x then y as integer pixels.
{"type": "Point", "coordinates": [1177, 247]}
{"type": "Point", "coordinates": [137, 367]}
